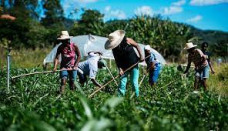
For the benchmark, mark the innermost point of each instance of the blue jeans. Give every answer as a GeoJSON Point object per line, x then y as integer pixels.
{"type": "Point", "coordinates": [134, 75]}
{"type": "Point", "coordinates": [203, 73]}
{"type": "Point", "coordinates": [154, 74]}
{"type": "Point", "coordinates": [82, 78]}
{"type": "Point", "coordinates": [72, 74]}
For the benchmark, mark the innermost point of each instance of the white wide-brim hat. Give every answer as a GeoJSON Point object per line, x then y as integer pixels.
{"type": "Point", "coordinates": [189, 46]}
{"type": "Point", "coordinates": [64, 35]}
{"type": "Point", "coordinates": [147, 47]}
{"type": "Point", "coordinates": [114, 39]}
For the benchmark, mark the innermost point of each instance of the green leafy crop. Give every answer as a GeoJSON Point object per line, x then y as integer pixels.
{"type": "Point", "coordinates": [172, 104]}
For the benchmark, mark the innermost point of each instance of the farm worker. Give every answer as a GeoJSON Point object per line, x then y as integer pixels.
{"type": "Point", "coordinates": [201, 65]}
{"type": "Point", "coordinates": [70, 57]}
{"type": "Point", "coordinates": [204, 47]}
{"type": "Point", "coordinates": [153, 65]}
{"type": "Point", "coordinates": [125, 56]}
{"type": "Point", "coordinates": [90, 67]}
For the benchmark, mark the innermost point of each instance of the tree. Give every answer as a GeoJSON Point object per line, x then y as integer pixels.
{"type": "Point", "coordinates": [113, 25]}
{"type": "Point", "coordinates": [53, 19]}
{"type": "Point", "coordinates": [91, 22]}
{"type": "Point", "coordinates": [17, 31]}
{"type": "Point", "coordinates": [53, 13]}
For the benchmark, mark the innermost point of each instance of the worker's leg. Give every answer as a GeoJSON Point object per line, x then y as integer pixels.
{"type": "Point", "coordinates": [135, 80]}
{"type": "Point", "coordinates": [205, 76]}
{"type": "Point", "coordinates": [153, 75]}
{"type": "Point", "coordinates": [63, 77]}
{"type": "Point", "coordinates": [204, 82]}
{"type": "Point", "coordinates": [197, 79]}
{"type": "Point", "coordinates": [122, 85]}
{"type": "Point", "coordinates": [72, 78]}
{"type": "Point", "coordinates": [82, 78]}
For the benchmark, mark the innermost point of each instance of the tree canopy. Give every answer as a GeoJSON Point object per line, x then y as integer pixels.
{"type": "Point", "coordinates": [38, 23]}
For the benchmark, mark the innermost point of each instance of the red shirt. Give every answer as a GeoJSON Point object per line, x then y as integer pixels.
{"type": "Point", "coordinates": [68, 55]}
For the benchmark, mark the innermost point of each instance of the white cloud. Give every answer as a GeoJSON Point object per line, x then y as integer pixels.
{"type": "Point", "coordinates": [172, 10]}
{"type": "Point", "coordinates": [195, 19]}
{"type": "Point", "coordinates": [107, 8]}
{"type": "Point", "coordinates": [207, 2]}
{"type": "Point", "coordinates": [119, 14]}
{"type": "Point", "coordinates": [72, 4]}
{"type": "Point", "coordinates": [113, 14]}
{"type": "Point", "coordinates": [144, 10]}
{"type": "Point", "coordinates": [85, 1]}
{"type": "Point", "coordinates": [176, 7]}
{"type": "Point", "coordinates": [179, 3]}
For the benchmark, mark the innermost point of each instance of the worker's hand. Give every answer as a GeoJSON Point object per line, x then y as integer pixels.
{"type": "Point", "coordinates": [152, 67]}
{"type": "Point", "coordinates": [121, 72]}
{"type": "Point", "coordinates": [183, 76]}
{"type": "Point", "coordinates": [54, 70]}
{"type": "Point", "coordinates": [212, 71]}
{"type": "Point", "coordinates": [75, 68]}
{"type": "Point", "coordinates": [141, 59]}
{"type": "Point", "coordinates": [185, 72]}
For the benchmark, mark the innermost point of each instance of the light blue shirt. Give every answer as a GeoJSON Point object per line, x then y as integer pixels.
{"type": "Point", "coordinates": [152, 59]}
{"type": "Point", "coordinates": [90, 66]}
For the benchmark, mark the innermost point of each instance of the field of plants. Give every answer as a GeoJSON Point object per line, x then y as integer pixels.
{"type": "Point", "coordinates": [172, 104]}
{"type": "Point", "coordinates": [32, 104]}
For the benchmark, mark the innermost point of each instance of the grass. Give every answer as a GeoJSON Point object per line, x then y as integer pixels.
{"type": "Point", "coordinates": [27, 58]}
{"type": "Point", "coordinates": [219, 81]}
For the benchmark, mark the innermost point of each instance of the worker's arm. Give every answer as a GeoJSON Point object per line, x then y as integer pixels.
{"type": "Point", "coordinates": [95, 82]}
{"type": "Point", "coordinates": [152, 65]}
{"type": "Point", "coordinates": [118, 62]}
{"type": "Point", "coordinates": [77, 52]}
{"type": "Point", "coordinates": [203, 58]}
{"type": "Point", "coordinates": [152, 62]}
{"type": "Point", "coordinates": [121, 72]}
{"type": "Point", "coordinates": [202, 55]}
{"type": "Point", "coordinates": [56, 60]}
{"type": "Point", "coordinates": [136, 45]}
{"type": "Point", "coordinates": [187, 68]}
{"type": "Point", "coordinates": [210, 65]}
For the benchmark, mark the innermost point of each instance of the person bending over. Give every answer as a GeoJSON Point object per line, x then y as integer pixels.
{"type": "Point", "coordinates": [201, 65]}
{"type": "Point", "coordinates": [153, 65]}
{"type": "Point", "coordinates": [125, 57]}
{"type": "Point", "coordinates": [89, 68]}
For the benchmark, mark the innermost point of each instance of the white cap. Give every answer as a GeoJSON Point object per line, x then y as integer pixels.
{"type": "Point", "coordinates": [147, 47]}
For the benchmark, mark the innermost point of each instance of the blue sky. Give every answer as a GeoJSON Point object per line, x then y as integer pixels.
{"type": "Point", "coordinates": [203, 14]}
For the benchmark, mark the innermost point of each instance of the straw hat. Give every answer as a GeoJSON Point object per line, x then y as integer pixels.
{"type": "Point", "coordinates": [189, 46]}
{"type": "Point", "coordinates": [64, 35]}
{"type": "Point", "coordinates": [114, 39]}
{"type": "Point", "coordinates": [147, 47]}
